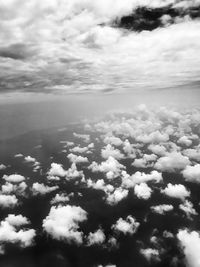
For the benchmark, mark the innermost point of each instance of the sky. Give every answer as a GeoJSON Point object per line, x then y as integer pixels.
{"type": "Point", "coordinates": [88, 57]}
{"type": "Point", "coordinates": [99, 133]}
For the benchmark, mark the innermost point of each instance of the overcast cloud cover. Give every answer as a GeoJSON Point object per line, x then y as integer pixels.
{"type": "Point", "coordinates": [80, 46]}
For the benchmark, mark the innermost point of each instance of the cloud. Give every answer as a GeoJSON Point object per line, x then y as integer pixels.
{"type": "Point", "coordinates": [113, 140]}
{"type": "Point", "coordinates": [84, 137]}
{"type": "Point", "coordinates": [187, 208]}
{"type": "Point", "coordinates": [96, 238]}
{"type": "Point", "coordinates": [14, 178]}
{"type": "Point", "coordinates": [142, 191]}
{"type": "Point", "coordinates": [162, 209]}
{"type": "Point", "coordinates": [150, 254]}
{"type": "Point", "coordinates": [100, 185]}
{"type": "Point", "coordinates": [18, 189]}
{"type": "Point", "coordinates": [172, 162]}
{"type": "Point", "coordinates": [111, 167]}
{"type": "Point", "coordinates": [73, 172]}
{"type": "Point", "coordinates": [17, 220]}
{"type": "Point", "coordinates": [116, 196]}
{"type": "Point", "coordinates": [190, 243]}
{"type": "Point", "coordinates": [10, 232]}
{"type": "Point", "coordinates": [110, 151]}
{"type": "Point", "coordinates": [60, 198]}
{"type": "Point", "coordinates": [62, 223]}
{"type": "Point", "coordinates": [2, 167]}
{"type": "Point", "coordinates": [176, 191]}
{"type": "Point", "coordinates": [192, 173]}
{"type": "Point", "coordinates": [127, 226]}
{"type": "Point", "coordinates": [140, 177]}
{"type": "Point", "coordinates": [77, 159]}
{"type": "Point", "coordinates": [41, 189]}
{"type": "Point", "coordinates": [98, 44]}
{"type": "Point", "coordinates": [8, 201]}
{"type": "Point", "coordinates": [185, 141]}
{"type": "Point", "coordinates": [56, 170]}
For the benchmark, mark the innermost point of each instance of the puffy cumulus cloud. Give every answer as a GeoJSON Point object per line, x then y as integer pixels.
{"type": "Point", "coordinates": [140, 177]}
{"type": "Point", "coordinates": [129, 149]}
{"type": "Point", "coordinates": [190, 243]}
{"type": "Point", "coordinates": [187, 208]}
{"type": "Point", "coordinates": [113, 140]}
{"type": "Point", "coordinates": [150, 254]}
{"type": "Point", "coordinates": [30, 159]}
{"type": "Point", "coordinates": [100, 185]}
{"type": "Point", "coordinates": [116, 196]}
{"type": "Point", "coordinates": [56, 170]}
{"type": "Point", "coordinates": [16, 220]}
{"type": "Point", "coordinates": [111, 167]}
{"type": "Point", "coordinates": [96, 238]}
{"type": "Point", "coordinates": [18, 189]}
{"type": "Point", "coordinates": [192, 173]}
{"type": "Point", "coordinates": [14, 178]}
{"type": "Point", "coordinates": [176, 191]}
{"type": "Point", "coordinates": [84, 137]}
{"type": "Point", "coordinates": [127, 226]}
{"type": "Point", "coordinates": [8, 201]}
{"type": "Point", "coordinates": [154, 137]}
{"type": "Point", "coordinates": [11, 231]}
{"type": "Point", "coordinates": [192, 153]}
{"type": "Point", "coordinates": [41, 189]}
{"type": "Point", "coordinates": [184, 140]}
{"type": "Point", "coordinates": [77, 159]}
{"type": "Point", "coordinates": [73, 172]}
{"type": "Point", "coordinates": [110, 151]}
{"type": "Point", "coordinates": [142, 191]}
{"type": "Point", "coordinates": [60, 198]}
{"type": "Point", "coordinates": [78, 149]}
{"type": "Point", "coordinates": [162, 209]}
{"type": "Point", "coordinates": [157, 149]}
{"type": "Point", "coordinates": [145, 162]}
{"type": "Point", "coordinates": [172, 162]}
{"type": "Point", "coordinates": [2, 167]}
{"type": "Point", "coordinates": [62, 223]}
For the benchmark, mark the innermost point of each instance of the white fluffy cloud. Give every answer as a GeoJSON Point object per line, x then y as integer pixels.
{"type": "Point", "coordinates": [150, 254]}
{"type": "Point", "coordinates": [116, 196]}
{"type": "Point", "coordinates": [42, 189]}
{"type": "Point", "coordinates": [11, 231]}
{"type": "Point", "coordinates": [56, 170]}
{"type": "Point", "coordinates": [162, 209]}
{"type": "Point", "coordinates": [18, 189]}
{"type": "Point", "coordinates": [187, 207]}
{"type": "Point", "coordinates": [14, 178]}
{"type": "Point", "coordinates": [140, 177]}
{"type": "Point", "coordinates": [176, 191]}
{"type": "Point", "coordinates": [127, 226]}
{"type": "Point", "coordinates": [60, 198]}
{"type": "Point", "coordinates": [109, 150]}
{"type": "Point", "coordinates": [8, 201]}
{"type": "Point", "coordinates": [77, 159]}
{"type": "Point", "coordinates": [96, 238]}
{"type": "Point", "coordinates": [192, 173]}
{"type": "Point", "coordinates": [172, 162]}
{"type": "Point", "coordinates": [111, 167]}
{"type": "Point", "coordinates": [62, 223]}
{"type": "Point", "coordinates": [190, 243]}
{"type": "Point", "coordinates": [142, 191]}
